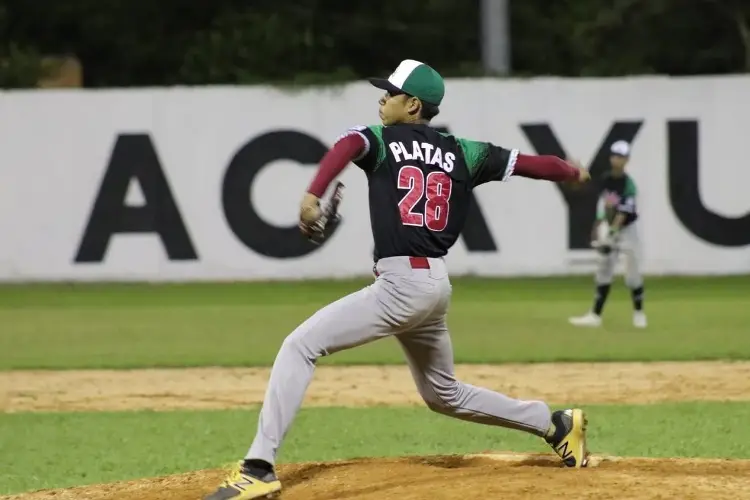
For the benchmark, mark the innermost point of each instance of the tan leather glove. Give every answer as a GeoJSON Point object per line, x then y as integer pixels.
{"type": "Point", "coordinates": [309, 214]}
{"type": "Point", "coordinates": [318, 223]}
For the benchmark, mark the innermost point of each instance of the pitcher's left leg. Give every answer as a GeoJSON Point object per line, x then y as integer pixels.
{"type": "Point", "coordinates": [351, 321]}
{"type": "Point", "coordinates": [354, 320]}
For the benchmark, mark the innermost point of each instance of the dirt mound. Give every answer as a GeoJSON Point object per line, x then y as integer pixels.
{"type": "Point", "coordinates": [509, 477]}
{"type": "Point", "coordinates": [357, 386]}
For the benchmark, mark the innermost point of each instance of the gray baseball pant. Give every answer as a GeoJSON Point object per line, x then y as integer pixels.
{"type": "Point", "coordinates": [410, 304]}
{"type": "Point", "coordinates": [630, 246]}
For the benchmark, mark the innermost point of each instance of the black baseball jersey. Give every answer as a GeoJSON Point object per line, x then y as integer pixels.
{"type": "Point", "coordinates": [618, 195]}
{"type": "Point", "coordinates": [420, 182]}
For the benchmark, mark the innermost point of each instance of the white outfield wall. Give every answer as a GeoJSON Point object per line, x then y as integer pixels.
{"type": "Point", "coordinates": [61, 151]}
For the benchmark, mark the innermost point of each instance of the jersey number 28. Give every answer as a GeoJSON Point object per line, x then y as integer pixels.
{"type": "Point", "coordinates": [436, 186]}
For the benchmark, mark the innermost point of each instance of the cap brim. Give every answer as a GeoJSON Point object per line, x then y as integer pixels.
{"type": "Point", "coordinates": [383, 83]}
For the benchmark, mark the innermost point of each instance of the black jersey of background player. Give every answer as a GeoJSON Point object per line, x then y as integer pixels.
{"type": "Point", "coordinates": [420, 182]}
{"type": "Point", "coordinates": [618, 194]}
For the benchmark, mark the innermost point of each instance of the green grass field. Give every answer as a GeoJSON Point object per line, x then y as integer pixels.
{"type": "Point", "coordinates": [493, 321]}
{"type": "Point", "coordinates": [71, 449]}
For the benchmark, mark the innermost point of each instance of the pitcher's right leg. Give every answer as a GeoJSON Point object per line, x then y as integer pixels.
{"type": "Point", "coordinates": [430, 355]}
{"type": "Point", "coordinates": [429, 352]}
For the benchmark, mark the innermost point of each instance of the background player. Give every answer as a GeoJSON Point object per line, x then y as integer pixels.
{"type": "Point", "coordinates": [616, 231]}
{"type": "Point", "coordinates": [419, 185]}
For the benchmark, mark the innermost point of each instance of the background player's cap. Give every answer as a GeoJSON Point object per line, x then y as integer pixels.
{"type": "Point", "coordinates": [416, 79]}
{"type": "Point", "coordinates": [620, 148]}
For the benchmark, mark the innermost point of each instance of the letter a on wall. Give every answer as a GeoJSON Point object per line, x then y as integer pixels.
{"type": "Point", "coordinates": [134, 159]}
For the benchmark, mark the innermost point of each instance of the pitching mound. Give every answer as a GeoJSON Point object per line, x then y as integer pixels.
{"type": "Point", "coordinates": [506, 476]}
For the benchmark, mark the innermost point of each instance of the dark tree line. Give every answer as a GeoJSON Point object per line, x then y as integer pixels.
{"type": "Point", "coordinates": [168, 42]}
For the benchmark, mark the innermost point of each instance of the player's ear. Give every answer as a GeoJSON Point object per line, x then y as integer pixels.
{"type": "Point", "coordinates": [413, 106]}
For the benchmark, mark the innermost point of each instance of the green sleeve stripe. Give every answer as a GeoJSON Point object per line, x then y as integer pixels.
{"type": "Point", "coordinates": [377, 131]}
{"type": "Point", "coordinates": [629, 188]}
{"type": "Point", "coordinates": [474, 153]}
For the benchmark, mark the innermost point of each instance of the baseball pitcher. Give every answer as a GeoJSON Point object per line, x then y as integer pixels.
{"type": "Point", "coordinates": [419, 182]}
{"type": "Point", "coordinates": [615, 233]}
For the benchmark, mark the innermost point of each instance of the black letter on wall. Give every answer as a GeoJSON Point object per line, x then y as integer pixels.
{"type": "Point", "coordinates": [684, 192]}
{"type": "Point", "coordinates": [581, 201]}
{"type": "Point", "coordinates": [258, 235]}
{"type": "Point", "coordinates": [134, 157]}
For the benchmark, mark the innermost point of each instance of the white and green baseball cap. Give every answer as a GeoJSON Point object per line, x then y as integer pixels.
{"type": "Point", "coordinates": [415, 79]}
{"type": "Point", "coordinates": [620, 148]}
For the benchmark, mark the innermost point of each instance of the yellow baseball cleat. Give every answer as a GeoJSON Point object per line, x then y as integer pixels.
{"type": "Point", "coordinates": [246, 483]}
{"type": "Point", "coordinates": [569, 438]}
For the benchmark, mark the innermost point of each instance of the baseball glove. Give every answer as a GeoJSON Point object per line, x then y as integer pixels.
{"type": "Point", "coordinates": [606, 244]}
{"type": "Point", "coordinates": [603, 247]}
{"type": "Point", "coordinates": [319, 231]}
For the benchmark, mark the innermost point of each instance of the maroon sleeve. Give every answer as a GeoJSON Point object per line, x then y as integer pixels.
{"type": "Point", "coordinates": [346, 149]}
{"type": "Point", "coordinates": [546, 167]}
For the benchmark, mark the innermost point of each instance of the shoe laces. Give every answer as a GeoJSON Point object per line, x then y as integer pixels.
{"type": "Point", "coordinates": [234, 476]}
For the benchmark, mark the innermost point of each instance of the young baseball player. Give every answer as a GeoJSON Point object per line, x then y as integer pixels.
{"type": "Point", "coordinates": [419, 185]}
{"type": "Point", "coordinates": [615, 232]}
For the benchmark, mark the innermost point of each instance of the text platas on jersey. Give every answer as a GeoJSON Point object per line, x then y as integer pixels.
{"type": "Point", "coordinates": [425, 152]}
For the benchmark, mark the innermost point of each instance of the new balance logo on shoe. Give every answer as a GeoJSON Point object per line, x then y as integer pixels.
{"type": "Point", "coordinates": [243, 485]}
{"type": "Point", "coordinates": [564, 452]}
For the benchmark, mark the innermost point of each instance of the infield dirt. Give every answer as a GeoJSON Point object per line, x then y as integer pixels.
{"type": "Point", "coordinates": [505, 476]}
{"type": "Point", "coordinates": [220, 388]}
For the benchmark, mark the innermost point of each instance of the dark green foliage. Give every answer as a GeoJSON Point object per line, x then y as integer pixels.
{"type": "Point", "coordinates": [192, 42]}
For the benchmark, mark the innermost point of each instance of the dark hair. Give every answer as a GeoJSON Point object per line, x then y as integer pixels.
{"type": "Point", "coordinates": [429, 111]}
